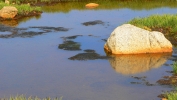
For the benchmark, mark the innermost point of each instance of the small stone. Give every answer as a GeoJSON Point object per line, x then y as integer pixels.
{"type": "Point", "coordinates": [164, 99]}
{"type": "Point", "coordinates": [91, 5]}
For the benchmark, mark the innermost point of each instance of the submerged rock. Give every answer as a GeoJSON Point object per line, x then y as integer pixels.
{"type": "Point", "coordinates": [69, 45]}
{"type": "Point", "coordinates": [8, 12]}
{"type": "Point", "coordinates": [129, 39]}
{"type": "Point", "coordinates": [89, 51]}
{"type": "Point", "coordinates": [71, 37]}
{"type": "Point", "coordinates": [93, 22]}
{"type": "Point", "coordinates": [168, 80]}
{"type": "Point", "coordinates": [87, 56]}
{"type": "Point", "coordinates": [46, 28]}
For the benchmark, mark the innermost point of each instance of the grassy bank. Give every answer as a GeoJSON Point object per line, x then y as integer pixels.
{"type": "Point", "coordinates": [23, 9]}
{"type": "Point", "coordinates": [172, 95]}
{"type": "Point", "coordinates": [157, 21]}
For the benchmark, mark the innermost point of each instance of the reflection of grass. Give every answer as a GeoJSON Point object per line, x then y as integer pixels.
{"type": "Point", "coordinates": [174, 66]}
{"type": "Point", "coordinates": [68, 5]}
{"type": "Point", "coordinates": [110, 4]}
{"type": "Point", "coordinates": [22, 97]}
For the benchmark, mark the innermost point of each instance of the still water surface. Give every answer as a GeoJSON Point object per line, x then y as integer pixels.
{"type": "Point", "coordinates": [35, 66]}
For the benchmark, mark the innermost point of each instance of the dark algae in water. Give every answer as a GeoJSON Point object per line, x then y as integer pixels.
{"type": "Point", "coordinates": [93, 22]}
{"type": "Point", "coordinates": [24, 32]}
{"type": "Point", "coordinates": [69, 45]}
{"type": "Point", "coordinates": [88, 55]}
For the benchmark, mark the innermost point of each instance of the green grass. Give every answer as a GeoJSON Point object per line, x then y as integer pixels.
{"type": "Point", "coordinates": [22, 97]}
{"type": "Point", "coordinates": [23, 8]}
{"type": "Point", "coordinates": [174, 66]}
{"type": "Point", "coordinates": [171, 96]}
{"type": "Point", "coordinates": [165, 21]}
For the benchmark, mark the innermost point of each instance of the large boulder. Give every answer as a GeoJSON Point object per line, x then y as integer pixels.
{"type": "Point", "coordinates": [8, 12]}
{"type": "Point", "coordinates": [129, 39]}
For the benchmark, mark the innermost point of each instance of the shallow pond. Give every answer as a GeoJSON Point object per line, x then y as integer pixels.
{"type": "Point", "coordinates": [35, 63]}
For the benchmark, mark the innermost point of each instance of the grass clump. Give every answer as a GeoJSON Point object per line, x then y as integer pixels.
{"type": "Point", "coordinates": [174, 66]}
{"type": "Point", "coordinates": [23, 9]}
{"type": "Point", "coordinates": [165, 21]}
{"type": "Point", "coordinates": [26, 8]}
{"type": "Point", "coordinates": [171, 96]}
{"type": "Point", "coordinates": [22, 97]}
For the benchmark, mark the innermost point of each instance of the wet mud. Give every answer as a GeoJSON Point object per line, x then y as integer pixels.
{"type": "Point", "coordinates": [93, 23]}
{"type": "Point", "coordinates": [141, 80]}
{"type": "Point", "coordinates": [168, 80]}
{"type": "Point", "coordinates": [24, 32]}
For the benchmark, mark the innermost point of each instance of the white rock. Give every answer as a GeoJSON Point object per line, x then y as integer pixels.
{"type": "Point", "coordinates": [129, 39]}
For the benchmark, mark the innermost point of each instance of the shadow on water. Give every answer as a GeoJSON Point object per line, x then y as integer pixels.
{"type": "Point", "coordinates": [133, 64]}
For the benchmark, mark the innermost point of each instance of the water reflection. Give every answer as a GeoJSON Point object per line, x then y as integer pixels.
{"type": "Point", "coordinates": [12, 23]}
{"type": "Point", "coordinates": [66, 7]}
{"type": "Point", "coordinates": [133, 64]}
{"type": "Point", "coordinates": [15, 22]}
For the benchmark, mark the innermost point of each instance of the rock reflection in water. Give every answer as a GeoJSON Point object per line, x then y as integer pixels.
{"type": "Point", "coordinates": [12, 23]}
{"type": "Point", "coordinates": [133, 64]}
